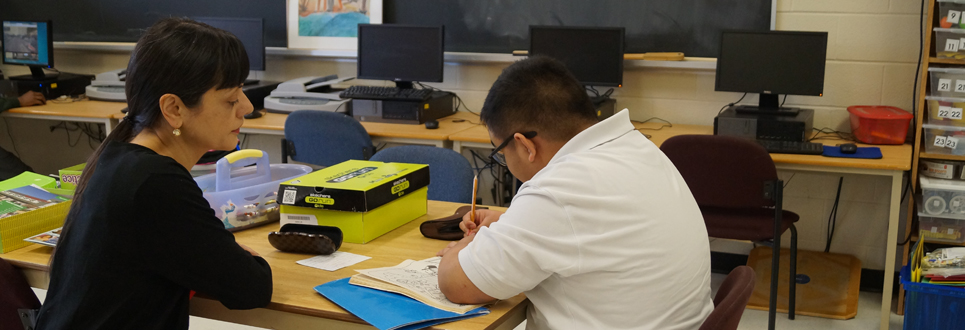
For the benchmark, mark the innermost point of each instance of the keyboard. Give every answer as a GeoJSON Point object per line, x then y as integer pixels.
{"type": "Point", "coordinates": [302, 101]}
{"type": "Point", "coordinates": [385, 93]}
{"type": "Point", "coordinates": [792, 147]}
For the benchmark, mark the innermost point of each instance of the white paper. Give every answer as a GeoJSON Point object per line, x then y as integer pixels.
{"type": "Point", "coordinates": [944, 85]}
{"type": "Point", "coordinates": [420, 277]}
{"type": "Point", "coordinates": [951, 143]}
{"type": "Point", "coordinates": [951, 45]}
{"type": "Point", "coordinates": [940, 141]}
{"type": "Point", "coordinates": [943, 111]}
{"type": "Point", "coordinates": [955, 114]}
{"type": "Point", "coordinates": [333, 262]}
{"type": "Point", "coordinates": [954, 16]}
{"type": "Point", "coordinates": [960, 84]}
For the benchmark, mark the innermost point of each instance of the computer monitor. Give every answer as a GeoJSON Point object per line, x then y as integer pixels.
{"type": "Point", "coordinates": [250, 31]}
{"type": "Point", "coordinates": [593, 54]}
{"type": "Point", "coordinates": [401, 53]}
{"type": "Point", "coordinates": [31, 44]}
{"type": "Point", "coordinates": [771, 63]}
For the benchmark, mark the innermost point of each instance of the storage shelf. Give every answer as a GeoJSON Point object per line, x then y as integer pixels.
{"type": "Point", "coordinates": [945, 60]}
{"type": "Point", "coordinates": [940, 156]}
{"type": "Point", "coordinates": [915, 238]}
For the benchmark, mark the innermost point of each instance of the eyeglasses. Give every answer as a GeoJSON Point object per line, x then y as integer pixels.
{"type": "Point", "coordinates": [498, 157]}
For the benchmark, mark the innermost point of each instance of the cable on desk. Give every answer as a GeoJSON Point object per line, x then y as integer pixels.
{"type": "Point", "coordinates": [824, 133]}
{"type": "Point", "coordinates": [731, 104]}
{"type": "Point", "coordinates": [668, 123]}
{"type": "Point", "coordinates": [782, 102]}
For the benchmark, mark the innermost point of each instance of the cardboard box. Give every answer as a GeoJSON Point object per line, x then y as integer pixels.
{"type": "Point", "coordinates": [365, 199]}
{"type": "Point", "coordinates": [361, 227]}
{"type": "Point", "coordinates": [69, 177]}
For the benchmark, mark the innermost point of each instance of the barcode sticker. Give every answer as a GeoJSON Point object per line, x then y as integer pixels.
{"type": "Point", "coordinates": [944, 85]}
{"type": "Point", "coordinates": [940, 141]}
{"type": "Point", "coordinates": [302, 219]}
{"type": "Point", "coordinates": [954, 16]}
{"type": "Point", "coordinates": [951, 142]}
{"type": "Point", "coordinates": [951, 45]}
{"type": "Point", "coordinates": [289, 197]}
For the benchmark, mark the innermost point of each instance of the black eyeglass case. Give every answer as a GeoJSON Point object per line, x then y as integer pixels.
{"type": "Point", "coordinates": [307, 239]}
{"type": "Point", "coordinates": [446, 229]}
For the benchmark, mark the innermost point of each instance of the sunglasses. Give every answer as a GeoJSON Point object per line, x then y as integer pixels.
{"type": "Point", "coordinates": [500, 158]}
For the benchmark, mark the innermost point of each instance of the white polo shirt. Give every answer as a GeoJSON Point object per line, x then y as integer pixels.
{"type": "Point", "coordinates": [606, 236]}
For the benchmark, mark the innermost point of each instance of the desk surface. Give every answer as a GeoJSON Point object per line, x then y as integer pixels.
{"type": "Point", "coordinates": [894, 157]}
{"type": "Point", "coordinates": [293, 283]}
{"type": "Point", "coordinates": [81, 109]}
{"type": "Point", "coordinates": [447, 126]}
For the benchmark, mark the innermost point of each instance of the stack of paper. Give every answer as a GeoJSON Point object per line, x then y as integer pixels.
{"type": "Point", "coordinates": [418, 280]}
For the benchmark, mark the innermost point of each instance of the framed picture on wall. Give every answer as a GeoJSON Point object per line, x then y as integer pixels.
{"type": "Point", "coordinates": [329, 24]}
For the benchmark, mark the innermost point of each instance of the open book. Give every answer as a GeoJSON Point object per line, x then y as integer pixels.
{"type": "Point", "coordinates": [418, 280]}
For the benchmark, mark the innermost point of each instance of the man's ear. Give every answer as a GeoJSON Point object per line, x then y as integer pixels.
{"type": "Point", "coordinates": [172, 108]}
{"type": "Point", "coordinates": [527, 146]}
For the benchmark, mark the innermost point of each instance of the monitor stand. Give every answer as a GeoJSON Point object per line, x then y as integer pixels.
{"type": "Point", "coordinates": [767, 106]}
{"type": "Point", "coordinates": [36, 73]}
{"type": "Point", "coordinates": [403, 85]}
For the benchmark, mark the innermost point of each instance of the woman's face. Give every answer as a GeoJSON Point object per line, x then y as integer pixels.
{"type": "Point", "coordinates": [214, 122]}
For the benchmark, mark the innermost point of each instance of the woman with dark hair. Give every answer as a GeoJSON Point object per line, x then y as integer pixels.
{"type": "Point", "coordinates": [140, 236]}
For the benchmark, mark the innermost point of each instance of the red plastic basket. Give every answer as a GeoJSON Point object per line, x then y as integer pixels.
{"type": "Point", "coordinates": [879, 124]}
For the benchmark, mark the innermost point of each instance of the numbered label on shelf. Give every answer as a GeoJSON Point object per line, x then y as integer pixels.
{"type": "Point", "coordinates": [960, 86]}
{"type": "Point", "coordinates": [950, 113]}
{"type": "Point", "coordinates": [951, 142]}
{"type": "Point", "coordinates": [954, 16]}
{"type": "Point", "coordinates": [951, 45]}
{"type": "Point", "coordinates": [940, 141]}
{"type": "Point", "coordinates": [944, 85]}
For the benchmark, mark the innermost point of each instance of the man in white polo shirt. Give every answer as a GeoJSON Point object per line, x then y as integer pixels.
{"type": "Point", "coordinates": [603, 233]}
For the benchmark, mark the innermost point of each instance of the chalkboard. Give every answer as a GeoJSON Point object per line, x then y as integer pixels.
{"type": "Point", "coordinates": [126, 20]}
{"type": "Point", "coordinates": [486, 26]}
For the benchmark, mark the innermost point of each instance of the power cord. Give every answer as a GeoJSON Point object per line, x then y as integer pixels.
{"type": "Point", "coordinates": [731, 104]}
{"type": "Point", "coordinates": [824, 132]}
{"type": "Point", "coordinates": [833, 217]}
{"type": "Point", "coordinates": [667, 123]}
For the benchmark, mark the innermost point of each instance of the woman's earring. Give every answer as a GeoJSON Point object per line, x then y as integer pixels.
{"type": "Point", "coordinates": [177, 132]}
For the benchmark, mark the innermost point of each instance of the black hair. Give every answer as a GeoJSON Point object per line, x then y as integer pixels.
{"type": "Point", "coordinates": [538, 94]}
{"type": "Point", "coordinates": [174, 56]}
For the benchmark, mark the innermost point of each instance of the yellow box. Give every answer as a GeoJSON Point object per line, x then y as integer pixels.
{"type": "Point", "coordinates": [15, 228]}
{"type": "Point", "coordinates": [361, 227]}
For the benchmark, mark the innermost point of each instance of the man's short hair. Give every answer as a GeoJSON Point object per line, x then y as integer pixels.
{"type": "Point", "coordinates": [538, 94]}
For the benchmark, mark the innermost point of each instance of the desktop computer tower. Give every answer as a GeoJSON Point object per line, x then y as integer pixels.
{"type": "Point", "coordinates": [605, 107]}
{"type": "Point", "coordinates": [63, 84]}
{"type": "Point", "coordinates": [439, 104]}
{"type": "Point", "coordinates": [765, 127]}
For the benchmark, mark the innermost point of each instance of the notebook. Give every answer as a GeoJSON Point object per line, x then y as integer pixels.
{"type": "Point", "coordinates": [385, 310]}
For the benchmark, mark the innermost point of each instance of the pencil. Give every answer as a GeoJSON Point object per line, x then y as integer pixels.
{"type": "Point", "coordinates": [472, 208]}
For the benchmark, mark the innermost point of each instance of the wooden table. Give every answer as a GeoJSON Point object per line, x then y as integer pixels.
{"type": "Point", "coordinates": [294, 304]}
{"type": "Point", "coordinates": [274, 124]}
{"type": "Point", "coordinates": [99, 112]}
{"type": "Point", "coordinates": [896, 159]}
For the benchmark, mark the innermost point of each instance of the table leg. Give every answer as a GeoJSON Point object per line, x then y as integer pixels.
{"type": "Point", "coordinates": [893, 210]}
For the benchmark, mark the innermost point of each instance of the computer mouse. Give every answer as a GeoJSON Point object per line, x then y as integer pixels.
{"type": "Point", "coordinates": [254, 114]}
{"type": "Point", "coordinates": [432, 124]}
{"type": "Point", "coordinates": [848, 148]}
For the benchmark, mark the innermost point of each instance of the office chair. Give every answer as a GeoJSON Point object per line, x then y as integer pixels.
{"type": "Point", "coordinates": [450, 175]}
{"type": "Point", "coordinates": [15, 294]}
{"type": "Point", "coordinates": [324, 138]}
{"type": "Point", "coordinates": [740, 196]}
{"type": "Point", "coordinates": [731, 299]}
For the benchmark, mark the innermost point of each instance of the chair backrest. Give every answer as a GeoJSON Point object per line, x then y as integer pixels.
{"type": "Point", "coordinates": [722, 171]}
{"type": "Point", "coordinates": [450, 175]}
{"type": "Point", "coordinates": [326, 138]}
{"type": "Point", "coordinates": [731, 299]}
{"type": "Point", "coordinates": [15, 294]}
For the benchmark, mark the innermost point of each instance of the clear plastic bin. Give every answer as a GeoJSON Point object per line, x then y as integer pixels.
{"type": "Point", "coordinates": [944, 140]}
{"type": "Point", "coordinates": [941, 197]}
{"type": "Point", "coordinates": [949, 43]}
{"type": "Point", "coordinates": [950, 14]}
{"type": "Point", "coordinates": [945, 111]}
{"type": "Point", "coordinates": [947, 82]}
{"type": "Point", "coordinates": [937, 229]}
{"type": "Point", "coordinates": [244, 197]}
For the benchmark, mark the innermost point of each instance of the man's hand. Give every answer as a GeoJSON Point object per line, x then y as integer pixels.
{"type": "Point", "coordinates": [485, 217]}
{"type": "Point", "coordinates": [31, 98]}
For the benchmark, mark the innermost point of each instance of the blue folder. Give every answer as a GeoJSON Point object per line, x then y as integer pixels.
{"type": "Point", "coordinates": [386, 310]}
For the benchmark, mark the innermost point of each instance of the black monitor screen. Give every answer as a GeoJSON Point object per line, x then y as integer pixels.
{"type": "Point", "coordinates": [400, 53]}
{"type": "Point", "coordinates": [28, 43]}
{"type": "Point", "coordinates": [772, 62]}
{"type": "Point", "coordinates": [594, 55]}
{"type": "Point", "coordinates": [250, 31]}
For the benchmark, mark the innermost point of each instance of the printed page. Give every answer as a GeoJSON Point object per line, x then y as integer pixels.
{"type": "Point", "coordinates": [416, 279]}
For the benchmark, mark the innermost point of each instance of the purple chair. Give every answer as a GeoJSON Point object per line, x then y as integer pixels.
{"type": "Point", "coordinates": [15, 294]}
{"type": "Point", "coordinates": [740, 196]}
{"type": "Point", "coordinates": [731, 299]}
